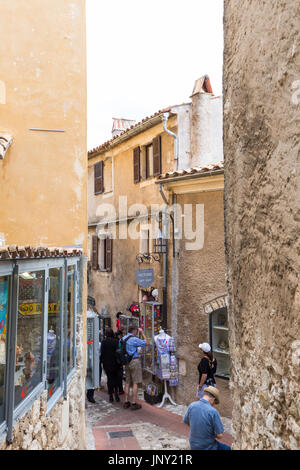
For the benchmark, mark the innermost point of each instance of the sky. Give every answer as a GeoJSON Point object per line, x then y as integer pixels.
{"type": "Point", "coordinates": [145, 55]}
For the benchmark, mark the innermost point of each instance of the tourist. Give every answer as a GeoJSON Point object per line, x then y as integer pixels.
{"type": "Point", "coordinates": [207, 369]}
{"type": "Point", "coordinates": [133, 370]}
{"type": "Point", "coordinates": [108, 359]}
{"type": "Point", "coordinates": [205, 422]}
{"type": "Point", "coordinates": [119, 335]}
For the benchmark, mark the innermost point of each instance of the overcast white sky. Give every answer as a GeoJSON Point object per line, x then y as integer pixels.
{"type": "Point", "coordinates": [144, 55]}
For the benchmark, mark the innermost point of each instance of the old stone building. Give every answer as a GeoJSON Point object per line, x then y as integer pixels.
{"type": "Point", "coordinates": [262, 181]}
{"type": "Point", "coordinates": [43, 224]}
{"type": "Point", "coordinates": [169, 163]}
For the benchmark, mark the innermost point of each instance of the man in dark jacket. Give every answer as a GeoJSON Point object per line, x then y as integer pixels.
{"type": "Point", "coordinates": [108, 359]}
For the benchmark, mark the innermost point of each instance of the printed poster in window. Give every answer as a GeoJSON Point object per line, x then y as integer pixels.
{"type": "Point", "coordinates": [3, 305]}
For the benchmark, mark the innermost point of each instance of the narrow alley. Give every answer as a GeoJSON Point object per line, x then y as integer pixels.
{"type": "Point", "coordinates": [110, 427]}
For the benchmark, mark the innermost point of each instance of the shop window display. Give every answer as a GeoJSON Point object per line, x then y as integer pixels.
{"type": "Point", "coordinates": [54, 331]}
{"type": "Point", "coordinates": [29, 343]}
{"type": "Point", "coordinates": [34, 361]}
{"type": "Point", "coordinates": [151, 322]}
{"type": "Point", "coordinates": [220, 342]}
{"type": "Point", "coordinates": [125, 322]}
{"type": "Point", "coordinates": [70, 319]}
{"type": "Point", "coordinates": [4, 296]}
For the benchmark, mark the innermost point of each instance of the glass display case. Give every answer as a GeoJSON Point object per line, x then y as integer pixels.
{"type": "Point", "coordinates": [104, 323]}
{"type": "Point", "coordinates": [93, 367]}
{"type": "Point", "coordinates": [219, 341]}
{"type": "Point", "coordinates": [151, 322]}
{"type": "Point", "coordinates": [125, 322]}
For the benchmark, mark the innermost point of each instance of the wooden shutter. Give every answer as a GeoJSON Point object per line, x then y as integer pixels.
{"type": "Point", "coordinates": [98, 176]}
{"type": "Point", "coordinates": [136, 164]}
{"type": "Point", "coordinates": [95, 252]}
{"type": "Point", "coordinates": [108, 254]}
{"type": "Point", "coordinates": [156, 155]}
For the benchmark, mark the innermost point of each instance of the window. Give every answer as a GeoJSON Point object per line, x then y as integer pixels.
{"type": "Point", "coordinates": [54, 332]}
{"type": "Point", "coordinates": [98, 178]}
{"type": "Point", "coordinates": [4, 300]}
{"type": "Point", "coordinates": [151, 160]}
{"type": "Point", "coordinates": [70, 319]}
{"type": "Point", "coordinates": [36, 321]}
{"type": "Point", "coordinates": [102, 253]}
{"type": "Point", "coordinates": [29, 345]}
{"type": "Point", "coordinates": [144, 241]}
{"type": "Point", "coordinates": [108, 175]}
{"type": "Point", "coordinates": [136, 165]}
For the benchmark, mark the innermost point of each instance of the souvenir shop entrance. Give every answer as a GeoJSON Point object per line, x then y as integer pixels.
{"type": "Point", "coordinates": [159, 357]}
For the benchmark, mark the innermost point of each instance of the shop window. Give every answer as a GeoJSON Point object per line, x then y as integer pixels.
{"type": "Point", "coordinates": [36, 322]}
{"type": "Point", "coordinates": [4, 296]}
{"type": "Point", "coordinates": [71, 320]}
{"type": "Point", "coordinates": [54, 331]}
{"type": "Point", "coordinates": [219, 341]}
{"type": "Point", "coordinates": [29, 344]}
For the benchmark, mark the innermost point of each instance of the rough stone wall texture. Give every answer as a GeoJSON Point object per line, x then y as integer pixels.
{"type": "Point", "coordinates": [201, 278]}
{"type": "Point", "coordinates": [39, 431]}
{"type": "Point", "coordinates": [261, 145]}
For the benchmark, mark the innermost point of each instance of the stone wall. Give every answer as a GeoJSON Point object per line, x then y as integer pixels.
{"type": "Point", "coordinates": [62, 429]}
{"type": "Point", "coordinates": [261, 146]}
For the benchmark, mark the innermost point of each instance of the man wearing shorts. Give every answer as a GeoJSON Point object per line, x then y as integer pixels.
{"type": "Point", "coordinates": [133, 370]}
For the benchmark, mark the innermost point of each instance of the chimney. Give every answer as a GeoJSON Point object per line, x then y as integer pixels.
{"type": "Point", "coordinates": [120, 125]}
{"type": "Point", "coordinates": [206, 125]}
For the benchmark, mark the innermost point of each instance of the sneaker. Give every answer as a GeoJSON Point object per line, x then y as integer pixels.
{"type": "Point", "coordinates": [135, 406]}
{"type": "Point", "coordinates": [111, 398]}
{"type": "Point", "coordinates": [126, 404]}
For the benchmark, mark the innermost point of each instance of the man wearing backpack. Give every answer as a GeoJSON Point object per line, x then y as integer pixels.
{"type": "Point", "coordinates": [133, 368]}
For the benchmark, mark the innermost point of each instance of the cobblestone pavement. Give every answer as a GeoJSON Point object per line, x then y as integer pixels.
{"type": "Point", "coordinates": [152, 428]}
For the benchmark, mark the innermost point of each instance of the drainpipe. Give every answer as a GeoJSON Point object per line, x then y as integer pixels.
{"type": "Point", "coordinates": [165, 118]}
{"type": "Point", "coordinates": [165, 260]}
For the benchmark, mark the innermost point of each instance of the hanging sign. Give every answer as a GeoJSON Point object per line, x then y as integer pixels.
{"type": "Point", "coordinates": [145, 277]}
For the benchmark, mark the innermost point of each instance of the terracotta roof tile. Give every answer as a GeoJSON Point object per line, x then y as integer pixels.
{"type": "Point", "coordinates": [215, 167]}
{"type": "Point", "coordinates": [108, 143]}
{"type": "Point", "coordinates": [28, 252]}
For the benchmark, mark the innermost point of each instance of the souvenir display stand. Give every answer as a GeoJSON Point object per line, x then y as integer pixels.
{"type": "Point", "coordinates": [219, 341]}
{"type": "Point", "coordinates": [92, 372]}
{"type": "Point", "coordinates": [166, 364]}
{"type": "Point", "coordinates": [166, 396]}
{"type": "Point", "coordinates": [151, 321]}
{"type": "Point", "coordinates": [126, 321]}
{"type": "Point", "coordinates": [105, 322]}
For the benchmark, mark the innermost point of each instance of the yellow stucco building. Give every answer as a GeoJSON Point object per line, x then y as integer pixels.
{"type": "Point", "coordinates": [43, 220]}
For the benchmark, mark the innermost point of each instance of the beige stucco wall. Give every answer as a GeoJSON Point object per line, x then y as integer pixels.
{"type": "Point", "coordinates": [200, 279]}
{"type": "Point", "coordinates": [261, 137]}
{"type": "Point", "coordinates": [43, 187]}
{"type": "Point", "coordinates": [43, 184]}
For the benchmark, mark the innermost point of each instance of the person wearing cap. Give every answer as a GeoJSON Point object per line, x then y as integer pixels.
{"type": "Point", "coordinates": [207, 368]}
{"type": "Point", "coordinates": [205, 422]}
